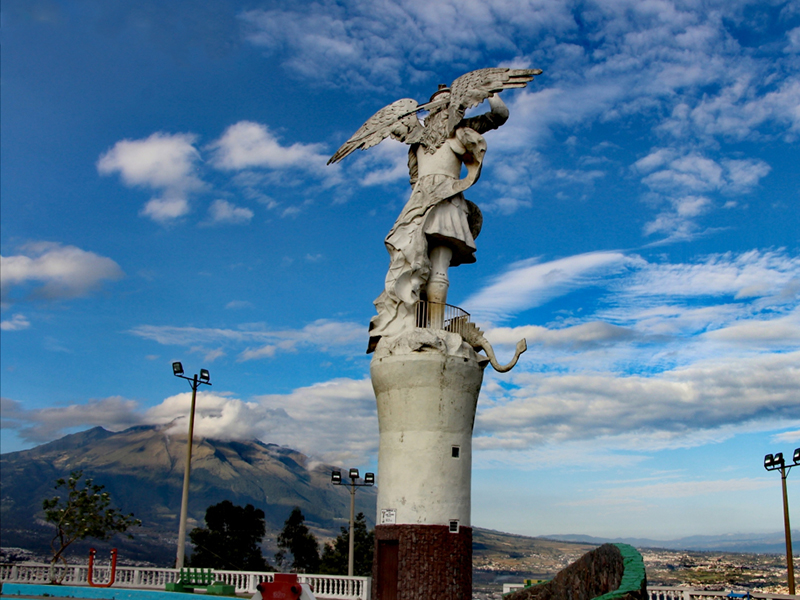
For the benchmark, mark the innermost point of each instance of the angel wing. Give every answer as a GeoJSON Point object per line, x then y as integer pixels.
{"type": "Point", "coordinates": [474, 87]}
{"type": "Point", "coordinates": [399, 120]}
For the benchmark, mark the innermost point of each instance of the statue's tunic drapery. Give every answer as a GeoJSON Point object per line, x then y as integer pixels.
{"type": "Point", "coordinates": [436, 214]}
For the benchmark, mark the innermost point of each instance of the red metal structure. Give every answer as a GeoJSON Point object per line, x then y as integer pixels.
{"type": "Point", "coordinates": [113, 576]}
{"type": "Point", "coordinates": [284, 587]}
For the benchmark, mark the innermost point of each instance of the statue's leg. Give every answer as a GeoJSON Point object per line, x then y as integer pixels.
{"type": "Point", "coordinates": [438, 284]}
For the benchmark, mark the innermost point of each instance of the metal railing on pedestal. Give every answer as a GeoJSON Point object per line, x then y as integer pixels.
{"type": "Point", "coordinates": [433, 315]}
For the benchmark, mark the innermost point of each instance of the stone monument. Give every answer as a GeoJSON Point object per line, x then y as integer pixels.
{"type": "Point", "coordinates": [426, 371]}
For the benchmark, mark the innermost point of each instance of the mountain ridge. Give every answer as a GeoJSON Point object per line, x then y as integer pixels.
{"type": "Point", "coordinates": [142, 468]}
{"type": "Point", "coordinates": [756, 543]}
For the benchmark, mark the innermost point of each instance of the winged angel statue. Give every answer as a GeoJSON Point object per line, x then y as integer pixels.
{"type": "Point", "coordinates": [438, 226]}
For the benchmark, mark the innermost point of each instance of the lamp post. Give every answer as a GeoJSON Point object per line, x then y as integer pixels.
{"type": "Point", "coordinates": [177, 370]}
{"type": "Point", "coordinates": [774, 463]}
{"type": "Point", "coordinates": [369, 480]}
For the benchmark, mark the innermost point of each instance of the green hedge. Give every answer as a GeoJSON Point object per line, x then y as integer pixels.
{"type": "Point", "coordinates": [632, 577]}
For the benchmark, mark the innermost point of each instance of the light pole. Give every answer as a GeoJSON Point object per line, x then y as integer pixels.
{"type": "Point", "coordinates": [369, 480]}
{"type": "Point", "coordinates": [177, 370]}
{"type": "Point", "coordinates": [774, 463]}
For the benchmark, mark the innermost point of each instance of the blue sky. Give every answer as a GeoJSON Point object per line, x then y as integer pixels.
{"type": "Point", "coordinates": [165, 197]}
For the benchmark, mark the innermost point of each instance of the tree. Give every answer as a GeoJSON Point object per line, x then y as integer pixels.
{"type": "Point", "coordinates": [231, 538]}
{"type": "Point", "coordinates": [297, 540]}
{"type": "Point", "coordinates": [84, 513]}
{"type": "Point", "coordinates": [335, 556]}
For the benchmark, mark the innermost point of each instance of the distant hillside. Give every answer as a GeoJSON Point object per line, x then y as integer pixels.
{"type": "Point", "coordinates": [758, 543]}
{"type": "Point", "coordinates": [142, 468]}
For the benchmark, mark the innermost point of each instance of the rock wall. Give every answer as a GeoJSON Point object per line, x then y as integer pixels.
{"type": "Point", "coordinates": [599, 573]}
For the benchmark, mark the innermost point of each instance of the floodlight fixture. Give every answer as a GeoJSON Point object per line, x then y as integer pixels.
{"type": "Point", "coordinates": [336, 479]}
{"type": "Point", "coordinates": [776, 462]}
{"type": "Point", "coordinates": [194, 382]}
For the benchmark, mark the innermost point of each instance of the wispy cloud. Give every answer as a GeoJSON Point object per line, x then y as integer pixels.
{"type": "Point", "coordinates": [377, 44]}
{"type": "Point", "coordinates": [644, 60]}
{"type": "Point", "coordinates": [16, 323]}
{"type": "Point", "coordinates": [639, 290]}
{"type": "Point", "coordinates": [531, 283]}
{"type": "Point", "coordinates": [673, 355]}
{"type": "Point", "coordinates": [238, 304]}
{"type": "Point", "coordinates": [681, 180]}
{"type": "Point", "coordinates": [256, 341]}
{"type": "Point", "coordinates": [51, 271]}
{"type": "Point", "coordinates": [661, 411]}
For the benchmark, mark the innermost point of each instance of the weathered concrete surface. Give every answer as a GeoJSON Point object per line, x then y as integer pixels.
{"type": "Point", "coordinates": [426, 411]}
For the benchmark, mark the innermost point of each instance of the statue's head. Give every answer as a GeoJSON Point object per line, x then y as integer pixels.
{"type": "Point", "coordinates": [443, 93]}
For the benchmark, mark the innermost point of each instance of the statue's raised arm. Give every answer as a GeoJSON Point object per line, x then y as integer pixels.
{"type": "Point", "coordinates": [476, 86]}
{"type": "Point", "coordinates": [437, 228]}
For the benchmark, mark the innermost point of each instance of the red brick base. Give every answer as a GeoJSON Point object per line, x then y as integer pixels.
{"type": "Point", "coordinates": [420, 562]}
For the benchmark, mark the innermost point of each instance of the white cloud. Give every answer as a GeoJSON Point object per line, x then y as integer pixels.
{"type": "Point", "coordinates": [787, 436]}
{"type": "Point", "coordinates": [650, 317]}
{"type": "Point", "coordinates": [681, 179]}
{"type": "Point", "coordinates": [55, 272]}
{"type": "Point", "coordinates": [41, 425]}
{"type": "Point", "coordinates": [166, 208]}
{"type": "Point", "coordinates": [223, 212]}
{"type": "Point", "coordinates": [385, 163]}
{"type": "Point", "coordinates": [370, 44]}
{"type": "Point", "coordinates": [781, 331]}
{"type": "Point", "coordinates": [793, 39]}
{"type": "Point", "coordinates": [693, 172]}
{"type": "Point", "coordinates": [16, 323]}
{"type": "Point", "coordinates": [246, 145]}
{"type": "Point", "coordinates": [238, 304]}
{"type": "Point", "coordinates": [585, 335]}
{"type": "Point", "coordinates": [284, 419]}
{"type": "Point", "coordinates": [666, 410]}
{"type": "Point", "coordinates": [747, 274]}
{"type": "Point", "coordinates": [741, 108]}
{"type": "Point", "coordinates": [529, 283]}
{"type": "Point", "coordinates": [645, 58]}
{"type": "Point", "coordinates": [677, 221]}
{"type": "Point", "coordinates": [258, 341]}
{"type": "Point", "coordinates": [162, 162]}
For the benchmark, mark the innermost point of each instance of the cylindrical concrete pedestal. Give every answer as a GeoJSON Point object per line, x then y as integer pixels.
{"type": "Point", "coordinates": [426, 411]}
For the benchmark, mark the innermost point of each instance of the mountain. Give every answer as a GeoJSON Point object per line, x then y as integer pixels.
{"type": "Point", "coordinates": [142, 468]}
{"type": "Point", "coordinates": [757, 543]}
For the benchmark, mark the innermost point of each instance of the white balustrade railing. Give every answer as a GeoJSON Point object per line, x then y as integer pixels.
{"type": "Point", "coordinates": [658, 592]}
{"type": "Point", "coordinates": [333, 587]}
